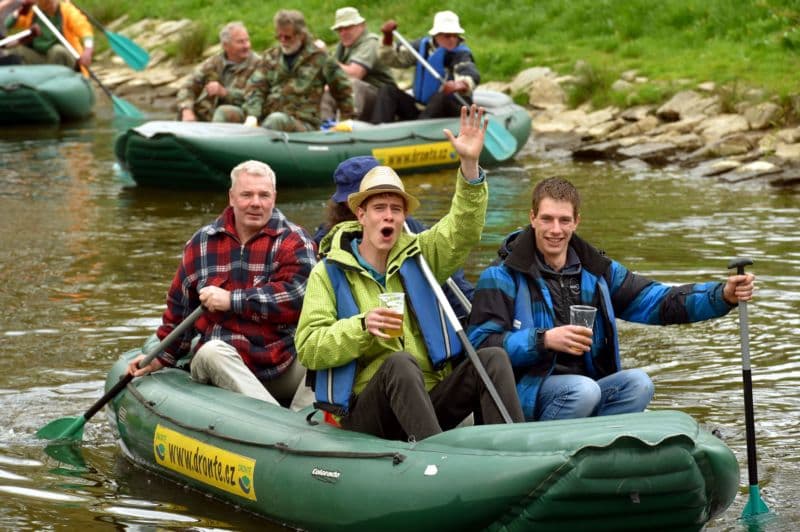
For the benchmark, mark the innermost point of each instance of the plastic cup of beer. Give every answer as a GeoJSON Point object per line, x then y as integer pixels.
{"type": "Point", "coordinates": [582, 315]}
{"type": "Point", "coordinates": [396, 301]}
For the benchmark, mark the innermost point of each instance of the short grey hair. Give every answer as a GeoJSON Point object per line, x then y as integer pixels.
{"type": "Point", "coordinates": [228, 29]}
{"type": "Point", "coordinates": [293, 18]}
{"type": "Point", "coordinates": [256, 168]}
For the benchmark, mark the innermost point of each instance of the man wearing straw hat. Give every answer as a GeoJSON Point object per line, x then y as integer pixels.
{"type": "Point", "coordinates": [398, 376]}
{"type": "Point", "coordinates": [444, 49]}
{"type": "Point", "coordinates": [357, 55]}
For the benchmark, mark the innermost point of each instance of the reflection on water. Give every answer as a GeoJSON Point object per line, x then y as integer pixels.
{"type": "Point", "coordinates": [85, 263]}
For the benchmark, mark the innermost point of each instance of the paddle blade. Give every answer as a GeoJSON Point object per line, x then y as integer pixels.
{"type": "Point", "coordinates": [130, 52]}
{"type": "Point", "coordinates": [499, 141]}
{"type": "Point", "coordinates": [65, 428]}
{"type": "Point", "coordinates": [67, 453]}
{"type": "Point", "coordinates": [755, 505]}
{"type": "Point", "coordinates": [125, 108]}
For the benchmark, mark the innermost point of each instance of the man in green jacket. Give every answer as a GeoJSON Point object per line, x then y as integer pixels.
{"type": "Point", "coordinates": [412, 386]}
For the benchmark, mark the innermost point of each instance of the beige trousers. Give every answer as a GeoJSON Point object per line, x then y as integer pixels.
{"type": "Point", "coordinates": [219, 364]}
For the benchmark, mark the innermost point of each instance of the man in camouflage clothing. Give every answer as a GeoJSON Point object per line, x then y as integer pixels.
{"type": "Point", "coordinates": [286, 88]}
{"type": "Point", "coordinates": [215, 91]}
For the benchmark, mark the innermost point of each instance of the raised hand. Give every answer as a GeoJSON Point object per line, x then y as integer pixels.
{"type": "Point", "coordinates": [388, 27]}
{"type": "Point", "coordinates": [469, 142]}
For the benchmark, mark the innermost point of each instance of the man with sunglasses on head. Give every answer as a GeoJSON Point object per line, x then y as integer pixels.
{"type": "Point", "coordinates": [445, 51]}
{"type": "Point", "coordinates": [285, 91]}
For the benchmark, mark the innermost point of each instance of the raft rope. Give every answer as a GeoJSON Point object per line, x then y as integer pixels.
{"type": "Point", "coordinates": [397, 458]}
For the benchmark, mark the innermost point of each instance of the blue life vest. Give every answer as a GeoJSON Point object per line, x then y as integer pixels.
{"type": "Point", "coordinates": [334, 386]}
{"type": "Point", "coordinates": [425, 84]}
{"type": "Point", "coordinates": [525, 318]}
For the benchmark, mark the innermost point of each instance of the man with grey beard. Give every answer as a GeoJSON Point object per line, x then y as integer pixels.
{"type": "Point", "coordinates": [285, 91]}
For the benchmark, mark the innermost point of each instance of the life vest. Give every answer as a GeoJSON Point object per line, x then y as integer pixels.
{"type": "Point", "coordinates": [524, 315]}
{"type": "Point", "coordinates": [334, 386]}
{"type": "Point", "coordinates": [425, 84]}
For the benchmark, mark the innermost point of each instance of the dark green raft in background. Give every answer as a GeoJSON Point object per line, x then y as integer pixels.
{"type": "Point", "coordinates": [43, 94]}
{"type": "Point", "coordinates": [201, 155]}
{"type": "Point", "coordinates": [655, 470]}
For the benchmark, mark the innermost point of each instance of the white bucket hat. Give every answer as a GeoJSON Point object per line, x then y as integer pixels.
{"type": "Point", "coordinates": [381, 180]}
{"type": "Point", "coordinates": [446, 22]}
{"type": "Point", "coordinates": [346, 16]}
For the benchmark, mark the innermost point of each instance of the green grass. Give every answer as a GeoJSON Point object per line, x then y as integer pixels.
{"type": "Point", "coordinates": [753, 43]}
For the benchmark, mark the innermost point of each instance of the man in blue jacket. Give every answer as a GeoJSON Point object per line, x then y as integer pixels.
{"type": "Point", "coordinates": [522, 304]}
{"type": "Point", "coordinates": [445, 50]}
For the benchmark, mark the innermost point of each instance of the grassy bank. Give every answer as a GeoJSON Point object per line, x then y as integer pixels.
{"type": "Point", "coordinates": [736, 43]}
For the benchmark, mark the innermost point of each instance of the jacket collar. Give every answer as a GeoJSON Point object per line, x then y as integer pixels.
{"type": "Point", "coordinates": [226, 223]}
{"type": "Point", "coordinates": [518, 252]}
{"type": "Point", "coordinates": [336, 245]}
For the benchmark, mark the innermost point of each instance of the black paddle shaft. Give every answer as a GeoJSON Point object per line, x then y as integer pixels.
{"type": "Point", "coordinates": [163, 344]}
{"type": "Point", "coordinates": [747, 378]}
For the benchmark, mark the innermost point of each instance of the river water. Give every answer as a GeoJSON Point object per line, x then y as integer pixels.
{"type": "Point", "coordinates": [86, 258]}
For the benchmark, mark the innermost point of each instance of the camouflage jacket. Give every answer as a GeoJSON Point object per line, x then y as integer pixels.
{"type": "Point", "coordinates": [233, 76]}
{"type": "Point", "coordinates": [297, 91]}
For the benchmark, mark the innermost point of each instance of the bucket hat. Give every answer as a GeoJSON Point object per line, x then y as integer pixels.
{"type": "Point", "coordinates": [381, 180]}
{"type": "Point", "coordinates": [446, 22]}
{"type": "Point", "coordinates": [346, 16]}
{"type": "Point", "coordinates": [348, 175]}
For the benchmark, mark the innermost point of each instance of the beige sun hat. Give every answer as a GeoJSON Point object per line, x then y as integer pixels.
{"type": "Point", "coordinates": [381, 180]}
{"type": "Point", "coordinates": [346, 16]}
{"type": "Point", "coordinates": [446, 22]}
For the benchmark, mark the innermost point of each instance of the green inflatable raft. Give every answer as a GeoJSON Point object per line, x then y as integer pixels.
{"type": "Point", "coordinates": [194, 155]}
{"type": "Point", "coordinates": [43, 94]}
{"type": "Point", "coordinates": [654, 470]}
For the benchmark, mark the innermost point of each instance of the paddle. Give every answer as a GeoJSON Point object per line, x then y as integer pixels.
{"type": "Point", "coordinates": [130, 52]}
{"type": "Point", "coordinates": [754, 504]}
{"type": "Point", "coordinates": [17, 36]}
{"type": "Point", "coordinates": [121, 107]}
{"type": "Point", "coordinates": [71, 428]}
{"type": "Point", "coordinates": [453, 319]}
{"type": "Point", "coordinates": [499, 141]}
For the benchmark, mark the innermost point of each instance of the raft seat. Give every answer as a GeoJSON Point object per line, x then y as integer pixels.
{"type": "Point", "coordinates": [150, 156]}
{"type": "Point", "coordinates": [656, 488]}
{"type": "Point", "coordinates": [21, 104]}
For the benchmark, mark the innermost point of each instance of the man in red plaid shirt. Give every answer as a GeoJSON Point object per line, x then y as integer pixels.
{"type": "Point", "coordinates": [249, 270]}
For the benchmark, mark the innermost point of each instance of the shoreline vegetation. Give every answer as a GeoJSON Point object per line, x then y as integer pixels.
{"type": "Point", "coordinates": [705, 85]}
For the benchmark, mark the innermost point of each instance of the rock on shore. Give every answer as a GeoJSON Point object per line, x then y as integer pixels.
{"type": "Point", "coordinates": [689, 131]}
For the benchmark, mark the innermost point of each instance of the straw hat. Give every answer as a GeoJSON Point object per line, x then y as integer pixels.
{"type": "Point", "coordinates": [348, 175]}
{"type": "Point", "coordinates": [381, 180]}
{"type": "Point", "coordinates": [346, 16]}
{"type": "Point", "coordinates": [446, 22]}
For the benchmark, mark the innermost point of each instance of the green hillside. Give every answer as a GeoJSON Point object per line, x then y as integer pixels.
{"type": "Point", "coordinates": [737, 43]}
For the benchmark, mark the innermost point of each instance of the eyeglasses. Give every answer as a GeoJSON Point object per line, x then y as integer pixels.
{"type": "Point", "coordinates": [285, 36]}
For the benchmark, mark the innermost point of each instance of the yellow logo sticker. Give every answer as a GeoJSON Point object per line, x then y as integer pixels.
{"type": "Point", "coordinates": [210, 465]}
{"type": "Point", "coordinates": [417, 155]}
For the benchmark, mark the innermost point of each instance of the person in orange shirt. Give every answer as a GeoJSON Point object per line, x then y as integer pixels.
{"type": "Point", "coordinates": [45, 46]}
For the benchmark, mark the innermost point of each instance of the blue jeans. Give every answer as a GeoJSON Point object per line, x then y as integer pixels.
{"type": "Point", "coordinates": [576, 396]}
